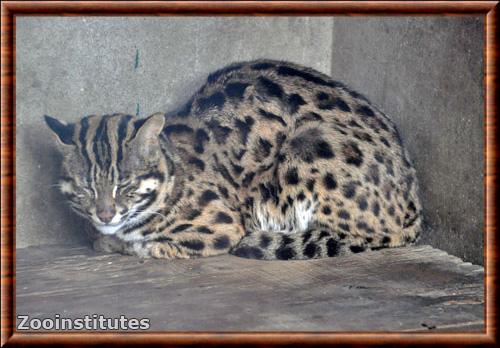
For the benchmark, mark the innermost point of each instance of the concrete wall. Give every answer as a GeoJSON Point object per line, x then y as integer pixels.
{"type": "Point", "coordinates": [72, 67]}
{"type": "Point", "coordinates": [424, 72]}
{"type": "Point", "coordinates": [427, 74]}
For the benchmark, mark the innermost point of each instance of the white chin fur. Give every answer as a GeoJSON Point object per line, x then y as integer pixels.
{"type": "Point", "coordinates": [109, 229]}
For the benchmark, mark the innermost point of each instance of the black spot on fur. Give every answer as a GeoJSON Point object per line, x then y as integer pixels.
{"type": "Point", "coordinates": [379, 157]}
{"type": "Point", "coordinates": [285, 253]}
{"type": "Point", "coordinates": [310, 185]}
{"type": "Point", "coordinates": [219, 167]}
{"type": "Point", "coordinates": [238, 154]}
{"type": "Point", "coordinates": [262, 66]}
{"type": "Point", "coordinates": [204, 230]}
{"type": "Point", "coordinates": [357, 248]}
{"type": "Point", "coordinates": [374, 174]}
{"type": "Point", "coordinates": [248, 179]}
{"type": "Point", "coordinates": [289, 71]}
{"type": "Point", "coordinates": [295, 101]}
{"type": "Point", "coordinates": [248, 252]}
{"type": "Point", "coordinates": [323, 234]}
{"type": "Point", "coordinates": [385, 142]}
{"type": "Point", "coordinates": [193, 214]}
{"type": "Point", "coordinates": [270, 88]}
{"type": "Point", "coordinates": [197, 163]}
{"type": "Point", "coordinates": [236, 89]}
{"type": "Point", "coordinates": [363, 226]}
{"type": "Point", "coordinates": [332, 247]}
{"type": "Point", "coordinates": [323, 150]}
{"type": "Point", "coordinates": [349, 190]}
{"type": "Point", "coordinates": [220, 132]}
{"type": "Point", "coordinates": [375, 208]}
{"type": "Point", "coordinates": [309, 145]}
{"type": "Point", "coordinates": [263, 149]}
{"type": "Point", "coordinates": [329, 181]}
{"type": "Point", "coordinates": [310, 250]}
{"type": "Point", "coordinates": [222, 218]}
{"type": "Point", "coordinates": [352, 154]}
{"type": "Point", "coordinates": [223, 191]}
{"type": "Point", "coordinates": [181, 228]}
{"type": "Point", "coordinates": [221, 242]}
{"type": "Point", "coordinates": [285, 240]}
{"type": "Point", "coordinates": [301, 196]}
{"type": "Point", "coordinates": [344, 227]}
{"type": "Point", "coordinates": [326, 210]}
{"type": "Point", "coordinates": [206, 197]}
{"type": "Point", "coordinates": [216, 100]}
{"type": "Point", "coordinates": [265, 241]}
{"type": "Point", "coordinates": [177, 129]}
{"type": "Point", "coordinates": [265, 193]}
{"type": "Point", "coordinates": [309, 117]}
{"type": "Point", "coordinates": [249, 202]}
{"type": "Point", "coordinates": [237, 169]}
{"type": "Point", "coordinates": [412, 207]}
{"type": "Point", "coordinates": [244, 128]}
{"type": "Point", "coordinates": [386, 240]}
{"type": "Point", "coordinates": [363, 136]}
{"type": "Point", "coordinates": [200, 138]}
{"type": "Point", "coordinates": [362, 204]}
{"type": "Point", "coordinates": [325, 101]}
{"type": "Point", "coordinates": [292, 176]}
{"type": "Point", "coordinates": [272, 117]}
{"type": "Point", "coordinates": [365, 111]}
{"type": "Point", "coordinates": [353, 123]}
{"type": "Point", "coordinates": [193, 244]}
{"type": "Point", "coordinates": [343, 214]}
{"type": "Point", "coordinates": [390, 211]}
{"type": "Point", "coordinates": [306, 236]}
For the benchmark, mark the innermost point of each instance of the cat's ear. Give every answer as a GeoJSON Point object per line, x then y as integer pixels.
{"type": "Point", "coordinates": [147, 136]}
{"type": "Point", "coordinates": [151, 127]}
{"type": "Point", "coordinates": [63, 132]}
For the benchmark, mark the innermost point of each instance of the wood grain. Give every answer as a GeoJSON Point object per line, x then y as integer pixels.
{"type": "Point", "coordinates": [403, 290]}
{"type": "Point", "coordinates": [242, 8]}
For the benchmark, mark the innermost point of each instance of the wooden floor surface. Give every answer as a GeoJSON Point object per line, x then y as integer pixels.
{"type": "Point", "coordinates": [405, 289]}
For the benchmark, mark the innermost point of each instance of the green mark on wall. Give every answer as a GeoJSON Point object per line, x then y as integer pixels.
{"type": "Point", "coordinates": [136, 59]}
{"type": "Point", "coordinates": [137, 110]}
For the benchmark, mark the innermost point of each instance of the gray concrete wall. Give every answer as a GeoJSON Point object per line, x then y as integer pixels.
{"type": "Point", "coordinates": [71, 67]}
{"type": "Point", "coordinates": [427, 74]}
{"type": "Point", "coordinates": [424, 72]}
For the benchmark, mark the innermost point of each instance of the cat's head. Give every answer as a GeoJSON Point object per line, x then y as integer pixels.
{"type": "Point", "coordinates": [114, 168]}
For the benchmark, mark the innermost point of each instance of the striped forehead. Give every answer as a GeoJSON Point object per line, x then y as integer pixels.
{"type": "Point", "coordinates": [101, 140]}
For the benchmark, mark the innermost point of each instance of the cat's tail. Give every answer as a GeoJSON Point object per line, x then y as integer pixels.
{"type": "Point", "coordinates": [312, 244]}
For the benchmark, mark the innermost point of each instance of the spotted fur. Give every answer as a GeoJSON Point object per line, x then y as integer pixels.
{"type": "Point", "coordinates": [268, 160]}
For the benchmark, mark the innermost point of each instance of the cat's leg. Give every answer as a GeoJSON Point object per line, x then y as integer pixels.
{"type": "Point", "coordinates": [213, 232]}
{"type": "Point", "coordinates": [108, 244]}
{"type": "Point", "coordinates": [160, 248]}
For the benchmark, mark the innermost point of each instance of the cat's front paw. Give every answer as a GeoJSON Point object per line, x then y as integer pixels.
{"type": "Point", "coordinates": [107, 244]}
{"type": "Point", "coordinates": [166, 251]}
{"type": "Point", "coordinates": [157, 250]}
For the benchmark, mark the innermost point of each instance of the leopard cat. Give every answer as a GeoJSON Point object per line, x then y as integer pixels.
{"type": "Point", "coordinates": [268, 160]}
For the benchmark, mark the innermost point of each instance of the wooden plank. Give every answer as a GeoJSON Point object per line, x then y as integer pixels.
{"type": "Point", "coordinates": [404, 289]}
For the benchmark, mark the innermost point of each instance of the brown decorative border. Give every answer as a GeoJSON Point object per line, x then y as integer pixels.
{"type": "Point", "coordinates": [10, 9]}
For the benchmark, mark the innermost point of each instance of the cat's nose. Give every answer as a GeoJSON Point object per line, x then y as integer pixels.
{"type": "Point", "coordinates": [106, 214]}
